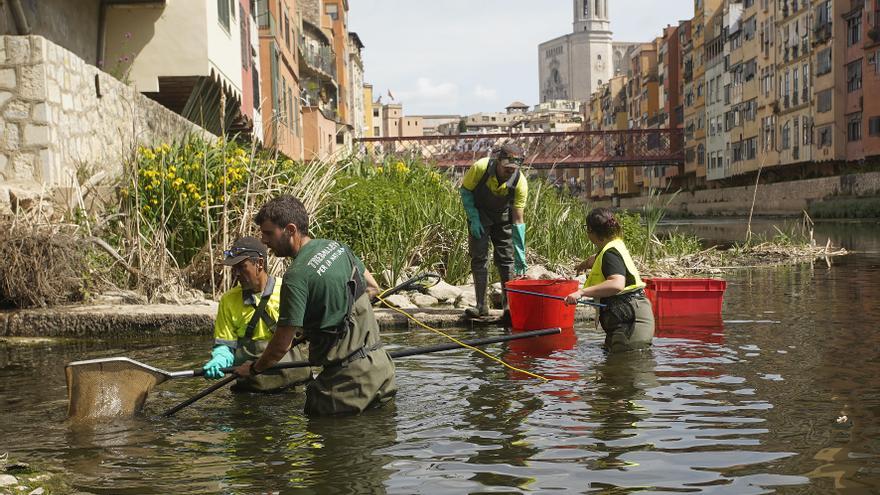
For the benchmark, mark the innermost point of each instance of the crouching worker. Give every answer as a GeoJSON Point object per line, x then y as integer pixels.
{"type": "Point", "coordinates": [325, 299]}
{"type": "Point", "coordinates": [246, 320]}
{"type": "Point", "coordinates": [614, 281]}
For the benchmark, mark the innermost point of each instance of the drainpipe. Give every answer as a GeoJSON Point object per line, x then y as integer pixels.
{"type": "Point", "coordinates": [21, 23]}
{"type": "Point", "coordinates": [102, 36]}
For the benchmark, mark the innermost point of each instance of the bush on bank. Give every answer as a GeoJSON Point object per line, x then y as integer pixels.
{"type": "Point", "coordinates": [854, 207]}
{"type": "Point", "coordinates": [180, 204]}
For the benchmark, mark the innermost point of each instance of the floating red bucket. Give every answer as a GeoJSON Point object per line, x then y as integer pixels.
{"type": "Point", "coordinates": [685, 296]}
{"type": "Point", "coordinates": [531, 312]}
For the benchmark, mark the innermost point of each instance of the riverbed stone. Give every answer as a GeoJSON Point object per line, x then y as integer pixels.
{"type": "Point", "coordinates": [467, 297]}
{"type": "Point", "coordinates": [424, 300]}
{"type": "Point", "coordinates": [444, 292]}
{"type": "Point", "coordinates": [538, 272]}
{"type": "Point", "coordinates": [8, 480]}
{"type": "Point", "coordinates": [400, 301]}
{"type": "Point", "coordinates": [37, 491]}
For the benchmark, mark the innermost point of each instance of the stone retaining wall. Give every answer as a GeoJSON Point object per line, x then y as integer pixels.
{"type": "Point", "coordinates": [59, 114]}
{"type": "Point", "coordinates": [781, 198]}
{"type": "Point", "coordinates": [148, 321]}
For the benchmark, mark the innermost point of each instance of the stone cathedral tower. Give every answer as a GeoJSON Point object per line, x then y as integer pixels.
{"type": "Point", "coordinates": [573, 66]}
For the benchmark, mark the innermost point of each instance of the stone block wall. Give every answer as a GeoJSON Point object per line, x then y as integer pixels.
{"type": "Point", "coordinates": [781, 198]}
{"type": "Point", "coordinates": [59, 114]}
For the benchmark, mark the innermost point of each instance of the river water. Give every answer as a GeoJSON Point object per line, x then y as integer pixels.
{"type": "Point", "coordinates": [781, 396]}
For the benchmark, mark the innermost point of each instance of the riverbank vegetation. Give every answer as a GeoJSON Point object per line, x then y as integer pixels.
{"type": "Point", "coordinates": [161, 227]}
{"type": "Point", "coordinates": [846, 207]}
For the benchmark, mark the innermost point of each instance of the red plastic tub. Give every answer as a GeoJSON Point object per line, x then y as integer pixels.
{"type": "Point", "coordinates": [530, 312]}
{"type": "Point", "coordinates": [685, 296]}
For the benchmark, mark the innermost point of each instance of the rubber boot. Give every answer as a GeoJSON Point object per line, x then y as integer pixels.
{"type": "Point", "coordinates": [504, 272]}
{"type": "Point", "coordinates": [481, 281]}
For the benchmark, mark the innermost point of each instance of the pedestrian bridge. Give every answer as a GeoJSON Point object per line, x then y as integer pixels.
{"type": "Point", "coordinates": [582, 149]}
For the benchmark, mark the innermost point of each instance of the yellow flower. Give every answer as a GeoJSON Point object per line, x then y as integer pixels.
{"type": "Point", "coordinates": [202, 204]}
{"type": "Point", "coordinates": [170, 175]}
{"type": "Point", "coordinates": [155, 182]}
{"type": "Point", "coordinates": [380, 170]}
{"type": "Point", "coordinates": [146, 209]}
{"type": "Point", "coordinates": [210, 185]}
{"type": "Point", "coordinates": [154, 201]}
{"type": "Point", "coordinates": [178, 182]}
{"type": "Point", "coordinates": [172, 168]}
{"type": "Point", "coordinates": [196, 196]}
{"type": "Point", "coordinates": [191, 188]}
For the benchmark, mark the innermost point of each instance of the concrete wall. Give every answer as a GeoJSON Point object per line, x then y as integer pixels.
{"type": "Point", "coordinates": [782, 198]}
{"type": "Point", "coordinates": [73, 23]}
{"type": "Point", "coordinates": [58, 113]}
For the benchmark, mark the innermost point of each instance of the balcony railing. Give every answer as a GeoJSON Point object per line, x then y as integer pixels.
{"type": "Point", "coordinates": [320, 57]}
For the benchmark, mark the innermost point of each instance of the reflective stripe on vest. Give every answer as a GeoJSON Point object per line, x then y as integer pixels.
{"type": "Point", "coordinates": [597, 277]}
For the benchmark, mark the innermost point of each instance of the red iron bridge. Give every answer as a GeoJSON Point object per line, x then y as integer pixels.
{"type": "Point", "coordinates": [562, 150]}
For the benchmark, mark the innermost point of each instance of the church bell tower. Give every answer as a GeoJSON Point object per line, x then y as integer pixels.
{"type": "Point", "coordinates": [591, 15]}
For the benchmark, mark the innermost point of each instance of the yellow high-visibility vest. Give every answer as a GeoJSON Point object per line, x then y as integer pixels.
{"type": "Point", "coordinates": [596, 277]}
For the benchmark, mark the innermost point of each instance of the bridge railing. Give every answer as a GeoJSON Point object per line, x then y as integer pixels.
{"type": "Point", "coordinates": [582, 149]}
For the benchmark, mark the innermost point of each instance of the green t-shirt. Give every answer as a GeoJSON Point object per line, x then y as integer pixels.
{"type": "Point", "coordinates": [313, 291]}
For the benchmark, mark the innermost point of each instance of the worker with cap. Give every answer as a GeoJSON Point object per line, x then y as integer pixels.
{"type": "Point", "coordinates": [494, 194]}
{"type": "Point", "coordinates": [246, 320]}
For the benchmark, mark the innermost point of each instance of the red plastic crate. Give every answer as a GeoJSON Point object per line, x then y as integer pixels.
{"type": "Point", "coordinates": [685, 296]}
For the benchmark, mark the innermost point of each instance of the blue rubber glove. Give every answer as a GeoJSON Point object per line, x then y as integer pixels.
{"type": "Point", "coordinates": [470, 208]}
{"type": "Point", "coordinates": [519, 249]}
{"type": "Point", "coordinates": [221, 357]}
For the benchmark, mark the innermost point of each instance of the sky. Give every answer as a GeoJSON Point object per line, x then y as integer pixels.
{"type": "Point", "coordinates": [468, 56]}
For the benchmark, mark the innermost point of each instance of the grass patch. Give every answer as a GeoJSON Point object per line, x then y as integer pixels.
{"type": "Point", "coordinates": [851, 207]}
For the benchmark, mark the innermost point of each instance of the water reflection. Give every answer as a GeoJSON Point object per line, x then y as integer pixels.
{"type": "Point", "coordinates": [747, 404]}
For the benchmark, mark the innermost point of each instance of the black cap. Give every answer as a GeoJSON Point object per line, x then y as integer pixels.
{"type": "Point", "coordinates": [242, 249]}
{"type": "Point", "coordinates": [511, 151]}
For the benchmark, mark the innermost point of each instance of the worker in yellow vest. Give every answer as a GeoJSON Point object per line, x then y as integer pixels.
{"type": "Point", "coordinates": [614, 281]}
{"type": "Point", "coordinates": [494, 192]}
{"type": "Point", "coordinates": [246, 321]}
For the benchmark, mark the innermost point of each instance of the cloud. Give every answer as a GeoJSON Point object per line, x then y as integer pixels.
{"type": "Point", "coordinates": [484, 93]}
{"type": "Point", "coordinates": [429, 94]}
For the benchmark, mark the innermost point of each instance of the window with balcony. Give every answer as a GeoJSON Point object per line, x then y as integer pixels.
{"type": "Point", "coordinates": [854, 76]}
{"type": "Point", "coordinates": [823, 61]}
{"type": "Point", "coordinates": [806, 79]}
{"type": "Point", "coordinates": [824, 100]}
{"type": "Point", "coordinates": [332, 10]}
{"type": "Point", "coordinates": [786, 136]}
{"type": "Point", "coordinates": [808, 134]}
{"type": "Point", "coordinates": [854, 30]}
{"type": "Point", "coordinates": [854, 127]}
{"type": "Point", "coordinates": [824, 136]}
{"type": "Point", "coordinates": [874, 126]}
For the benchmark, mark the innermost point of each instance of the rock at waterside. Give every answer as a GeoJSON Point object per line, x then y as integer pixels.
{"type": "Point", "coordinates": [400, 301]}
{"type": "Point", "coordinates": [424, 300]}
{"type": "Point", "coordinates": [8, 480]}
{"type": "Point", "coordinates": [444, 292]}
{"type": "Point", "coordinates": [467, 297]}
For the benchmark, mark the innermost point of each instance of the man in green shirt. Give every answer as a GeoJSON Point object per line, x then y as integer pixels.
{"type": "Point", "coordinates": [494, 194]}
{"type": "Point", "coordinates": [246, 320]}
{"type": "Point", "coordinates": [325, 300]}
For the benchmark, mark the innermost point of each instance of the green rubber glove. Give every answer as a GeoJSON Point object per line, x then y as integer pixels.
{"type": "Point", "coordinates": [519, 248]}
{"type": "Point", "coordinates": [221, 357]}
{"type": "Point", "coordinates": [470, 208]}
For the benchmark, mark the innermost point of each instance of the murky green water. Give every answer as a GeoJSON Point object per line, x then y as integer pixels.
{"type": "Point", "coordinates": [744, 405]}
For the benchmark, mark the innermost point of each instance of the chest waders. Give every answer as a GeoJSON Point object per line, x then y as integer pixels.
{"type": "Point", "coordinates": [496, 215]}
{"type": "Point", "coordinates": [357, 372]}
{"type": "Point", "coordinates": [249, 349]}
{"type": "Point", "coordinates": [627, 318]}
